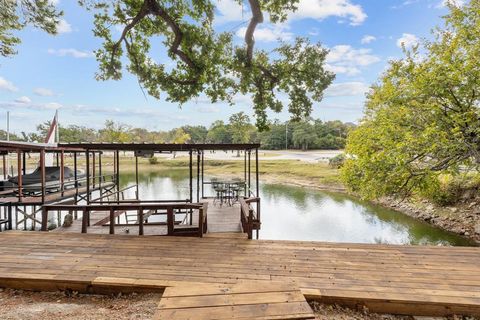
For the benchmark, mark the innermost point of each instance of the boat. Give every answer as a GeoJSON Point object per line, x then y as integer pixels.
{"type": "Point", "coordinates": [32, 182]}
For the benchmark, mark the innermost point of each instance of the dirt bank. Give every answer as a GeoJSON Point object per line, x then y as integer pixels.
{"type": "Point", "coordinates": [463, 218]}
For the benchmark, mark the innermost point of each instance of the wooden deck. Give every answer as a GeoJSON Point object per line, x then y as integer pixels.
{"type": "Point", "coordinates": [223, 220]}
{"type": "Point", "coordinates": [421, 280]}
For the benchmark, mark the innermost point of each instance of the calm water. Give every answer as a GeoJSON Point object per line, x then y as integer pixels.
{"type": "Point", "coordinates": [293, 213]}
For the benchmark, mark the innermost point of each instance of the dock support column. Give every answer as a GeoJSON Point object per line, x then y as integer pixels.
{"type": "Point", "coordinates": [190, 166]}
{"type": "Point", "coordinates": [100, 177]}
{"type": "Point", "coordinates": [257, 192]}
{"type": "Point", "coordinates": [245, 171]}
{"type": "Point", "coordinates": [42, 170]}
{"type": "Point", "coordinates": [249, 172]}
{"type": "Point", "coordinates": [203, 174]}
{"type": "Point", "coordinates": [4, 167]}
{"type": "Point", "coordinates": [117, 174]}
{"type": "Point", "coordinates": [19, 172]}
{"type": "Point", "coordinates": [87, 162]}
{"type": "Point", "coordinates": [198, 176]}
{"type": "Point", "coordinates": [136, 177]}
{"type": "Point", "coordinates": [62, 171]}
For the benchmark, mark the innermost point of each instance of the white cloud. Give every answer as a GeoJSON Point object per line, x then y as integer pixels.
{"type": "Point", "coordinates": [208, 109]}
{"type": "Point", "coordinates": [64, 27]}
{"type": "Point", "coordinates": [44, 92]}
{"type": "Point", "coordinates": [367, 39]}
{"type": "Point", "coordinates": [322, 9]}
{"type": "Point", "coordinates": [231, 11]}
{"type": "Point", "coordinates": [7, 85]}
{"type": "Point", "coordinates": [71, 52]}
{"type": "Point", "coordinates": [348, 60]}
{"type": "Point", "coordinates": [268, 34]}
{"type": "Point", "coordinates": [408, 40]}
{"type": "Point", "coordinates": [457, 3]}
{"type": "Point", "coordinates": [23, 100]}
{"type": "Point", "coordinates": [26, 103]}
{"type": "Point", "coordinates": [346, 89]}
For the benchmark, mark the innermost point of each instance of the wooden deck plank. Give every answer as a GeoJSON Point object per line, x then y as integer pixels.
{"type": "Point", "coordinates": [425, 280]}
{"type": "Point", "coordinates": [234, 302]}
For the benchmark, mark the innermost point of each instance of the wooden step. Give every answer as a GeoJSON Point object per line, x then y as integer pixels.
{"type": "Point", "coordinates": [249, 300]}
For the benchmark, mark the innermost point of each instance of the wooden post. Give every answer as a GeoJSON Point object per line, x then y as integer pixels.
{"type": "Point", "coordinates": [136, 177]}
{"type": "Point", "coordinates": [198, 176]}
{"type": "Point", "coordinates": [24, 163]}
{"type": "Point", "coordinates": [19, 173]}
{"type": "Point", "coordinates": [44, 218]}
{"type": "Point", "coordinates": [203, 174]}
{"type": "Point", "coordinates": [94, 169]}
{"type": "Point", "coordinates": [62, 171]}
{"type": "Point", "coordinates": [112, 221]}
{"type": "Point", "coordinates": [190, 167]}
{"type": "Point", "coordinates": [75, 176]}
{"type": "Point", "coordinates": [170, 220]}
{"type": "Point", "coordinates": [117, 174]}
{"type": "Point", "coordinates": [42, 170]}
{"type": "Point", "coordinates": [4, 167]}
{"type": "Point", "coordinates": [245, 171]}
{"type": "Point", "coordinates": [249, 171]}
{"type": "Point", "coordinates": [140, 221]}
{"type": "Point", "coordinates": [100, 174]}
{"type": "Point", "coordinates": [84, 220]}
{"type": "Point", "coordinates": [200, 222]}
{"type": "Point", "coordinates": [87, 163]}
{"type": "Point", "coordinates": [256, 174]}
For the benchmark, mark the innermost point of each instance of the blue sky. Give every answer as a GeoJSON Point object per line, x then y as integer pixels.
{"type": "Point", "coordinates": [57, 72]}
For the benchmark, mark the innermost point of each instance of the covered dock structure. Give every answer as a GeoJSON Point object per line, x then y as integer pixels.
{"type": "Point", "coordinates": [95, 199]}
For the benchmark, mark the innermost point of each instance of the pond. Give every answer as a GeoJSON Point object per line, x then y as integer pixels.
{"type": "Point", "coordinates": [294, 213]}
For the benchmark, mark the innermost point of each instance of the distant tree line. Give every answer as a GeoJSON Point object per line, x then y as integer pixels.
{"type": "Point", "coordinates": [306, 135]}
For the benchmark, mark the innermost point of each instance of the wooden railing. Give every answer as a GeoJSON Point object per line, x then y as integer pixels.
{"type": "Point", "coordinates": [5, 216]}
{"type": "Point", "coordinates": [249, 217]}
{"type": "Point", "coordinates": [143, 209]}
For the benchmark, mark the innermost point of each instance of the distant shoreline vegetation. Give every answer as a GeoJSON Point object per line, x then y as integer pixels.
{"type": "Point", "coordinates": [305, 135]}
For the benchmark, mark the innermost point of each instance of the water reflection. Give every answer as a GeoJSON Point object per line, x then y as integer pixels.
{"type": "Point", "coordinates": [293, 213]}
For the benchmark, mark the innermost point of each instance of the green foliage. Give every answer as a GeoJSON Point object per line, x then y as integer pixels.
{"type": "Point", "coordinates": [308, 134]}
{"type": "Point", "coordinates": [206, 62]}
{"type": "Point", "coordinates": [114, 132]}
{"type": "Point", "coordinates": [240, 127]}
{"type": "Point", "coordinates": [337, 161]}
{"type": "Point", "coordinates": [17, 14]}
{"type": "Point", "coordinates": [422, 118]}
{"type": "Point", "coordinates": [153, 160]}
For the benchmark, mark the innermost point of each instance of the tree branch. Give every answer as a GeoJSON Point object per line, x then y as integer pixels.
{"type": "Point", "coordinates": [257, 17]}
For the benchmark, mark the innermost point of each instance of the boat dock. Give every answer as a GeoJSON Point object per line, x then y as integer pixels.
{"type": "Point", "coordinates": [259, 279]}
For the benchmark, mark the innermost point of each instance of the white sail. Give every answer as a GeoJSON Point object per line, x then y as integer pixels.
{"type": "Point", "coordinates": [51, 138]}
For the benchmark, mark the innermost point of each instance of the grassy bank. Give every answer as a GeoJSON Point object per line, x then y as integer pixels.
{"type": "Point", "coordinates": [292, 172]}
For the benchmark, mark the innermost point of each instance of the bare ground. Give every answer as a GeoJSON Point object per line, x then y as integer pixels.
{"type": "Point", "coordinates": [328, 312]}
{"type": "Point", "coordinates": [26, 305]}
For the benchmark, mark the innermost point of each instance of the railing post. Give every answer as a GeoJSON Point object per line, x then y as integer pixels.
{"type": "Point", "coordinates": [250, 224]}
{"type": "Point", "coordinates": [200, 222]}
{"type": "Point", "coordinates": [10, 222]}
{"type": "Point", "coordinates": [170, 220]}
{"type": "Point", "coordinates": [84, 220]}
{"type": "Point", "coordinates": [44, 218]}
{"type": "Point", "coordinates": [140, 221]}
{"type": "Point", "coordinates": [112, 221]}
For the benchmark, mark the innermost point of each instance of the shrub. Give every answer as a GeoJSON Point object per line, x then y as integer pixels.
{"type": "Point", "coordinates": [337, 161]}
{"type": "Point", "coordinates": [153, 160]}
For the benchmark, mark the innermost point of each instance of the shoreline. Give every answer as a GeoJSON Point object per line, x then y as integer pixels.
{"type": "Point", "coordinates": [461, 220]}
